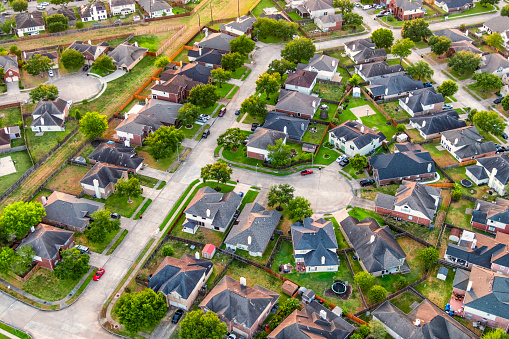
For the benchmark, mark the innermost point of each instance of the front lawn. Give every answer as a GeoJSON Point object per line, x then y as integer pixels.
{"type": "Point", "coordinates": [23, 163]}
{"type": "Point", "coordinates": [436, 290]}
{"type": "Point", "coordinates": [353, 172]}
{"type": "Point", "coordinates": [442, 158]}
{"type": "Point", "coordinates": [239, 72]}
{"type": "Point", "coordinates": [341, 56]}
{"type": "Point", "coordinates": [361, 214]}
{"type": "Point", "coordinates": [46, 286]}
{"type": "Point", "coordinates": [325, 156]}
{"type": "Point", "coordinates": [118, 204]}
{"type": "Point", "coordinates": [370, 192]}
{"type": "Point", "coordinates": [464, 76]}
{"type": "Point", "coordinates": [240, 155]}
{"type": "Point", "coordinates": [97, 247]}
{"type": "Point", "coordinates": [146, 181]}
{"type": "Point", "coordinates": [480, 93]}
{"type": "Point", "coordinates": [161, 164]}
{"type": "Point", "coordinates": [390, 109]}
{"type": "Point", "coordinates": [314, 137]}
{"type": "Point", "coordinates": [68, 179]}
{"type": "Point", "coordinates": [224, 89]}
{"type": "Point", "coordinates": [190, 132]}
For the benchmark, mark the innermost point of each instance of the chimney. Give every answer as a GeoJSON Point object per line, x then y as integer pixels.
{"type": "Point", "coordinates": [469, 287]}
{"type": "Point", "coordinates": [302, 126]}
{"type": "Point", "coordinates": [96, 188]}
{"type": "Point", "coordinates": [323, 260]}
{"type": "Point", "coordinates": [314, 104]}
{"type": "Point", "coordinates": [238, 19]}
{"type": "Point", "coordinates": [474, 243]}
{"type": "Point", "coordinates": [323, 314]}
{"type": "Point", "coordinates": [492, 176]}
{"type": "Point", "coordinates": [417, 322]}
{"type": "Point", "coordinates": [208, 213]}
{"type": "Point", "coordinates": [24, 55]}
{"type": "Point", "coordinates": [362, 129]}
{"type": "Point", "coordinates": [197, 255]}
{"type": "Point", "coordinates": [243, 281]}
{"type": "Point", "coordinates": [249, 240]}
{"type": "Point", "coordinates": [43, 200]}
{"type": "Point", "coordinates": [89, 42]}
{"type": "Point", "coordinates": [42, 121]}
{"type": "Point", "coordinates": [406, 100]}
{"type": "Point", "coordinates": [199, 51]}
{"type": "Point", "coordinates": [206, 31]}
{"type": "Point", "coordinates": [386, 91]}
{"type": "Point", "coordinates": [285, 130]}
{"type": "Point", "coordinates": [136, 43]}
{"type": "Point", "coordinates": [429, 167]}
{"type": "Point", "coordinates": [372, 239]}
{"type": "Point", "coordinates": [424, 123]}
{"type": "Point", "coordinates": [455, 141]}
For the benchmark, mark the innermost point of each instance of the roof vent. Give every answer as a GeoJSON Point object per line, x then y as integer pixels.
{"type": "Point", "coordinates": [469, 287]}
{"type": "Point", "coordinates": [424, 123]}
{"type": "Point", "coordinates": [362, 129]}
{"type": "Point", "coordinates": [208, 212]}
{"type": "Point", "coordinates": [314, 104]}
{"type": "Point", "coordinates": [243, 281]}
{"type": "Point", "coordinates": [323, 314]}
{"type": "Point", "coordinates": [372, 239]}
{"type": "Point", "coordinates": [417, 322]}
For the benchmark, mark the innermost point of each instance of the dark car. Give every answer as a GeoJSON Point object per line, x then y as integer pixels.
{"type": "Point", "coordinates": [306, 172]}
{"type": "Point", "coordinates": [205, 133]}
{"type": "Point", "coordinates": [176, 317]}
{"type": "Point", "coordinates": [85, 68]}
{"type": "Point", "coordinates": [368, 182]}
{"type": "Point", "coordinates": [501, 149]}
{"type": "Point", "coordinates": [505, 136]}
{"type": "Point", "coordinates": [254, 39]}
{"type": "Point", "coordinates": [254, 126]}
{"type": "Point", "coordinates": [222, 112]}
{"type": "Point", "coordinates": [237, 112]}
{"type": "Point", "coordinates": [497, 100]}
{"type": "Point", "coordinates": [344, 162]}
{"type": "Point", "coordinates": [428, 84]}
{"type": "Point", "coordinates": [115, 216]}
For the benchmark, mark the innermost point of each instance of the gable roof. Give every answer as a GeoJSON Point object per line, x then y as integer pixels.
{"type": "Point", "coordinates": [439, 122]}
{"type": "Point", "coordinates": [423, 97]}
{"type": "Point", "coordinates": [484, 211]}
{"type": "Point", "coordinates": [95, 50]}
{"type": "Point", "coordinates": [219, 41]}
{"type": "Point", "coordinates": [242, 24]}
{"type": "Point", "coordinates": [465, 46]}
{"type": "Point", "coordinates": [318, 5]}
{"type": "Point", "coordinates": [155, 5]}
{"type": "Point", "coordinates": [406, 5]}
{"type": "Point", "coordinates": [193, 71]}
{"type": "Point", "coordinates": [104, 173]}
{"type": "Point", "coordinates": [46, 240]}
{"type": "Point", "coordinates": [27, 20]}
{"type": "Point", "coordinates": [297, 102]}
{"type": "Point", "coordinates": [125, 54]}
{"type": "Point", "coordinates": [402, 164]}
{"type": "Point", "coordinates": [295, 127]}
{"type": "Point", "coordinates": [481, 251]}
{"type": "Point", "coordinates": [176, 84]}
{"type": "Point", "coordinates": [360, 44]}
{"type": "Point", "coordinates": [87, 9]}
{"type": "Point", "coordinates": [407, 146]}
{"type": "Point", "coordinates": [498, 24]}
{"type": "Point", "coordinates": [153, 115]}
{"type": "Point", "coordinates": [301, 78]}
{"type": "Point", "coordinates": [359, 134]}
{"type": "Point", "coordinates": [9, 62]}
{"type": "Point", "coordinates": [65, 11]}
{"type": "Point", "coordinates": [469, 139]}
{"type": "Point", "coordinates": [500, 162]}
{"type": "Point", "coordinates": [493, 62]}
{"type": "Point", "coordinates": [52, 55]}
{"type": "Point", "coordinates": [46, 113]}
{"type": "Point", "coordinates": [115, 3]}
{"type": "Point", "coordinates": [206, 55]}
{"type": "Point", "coordinates": [394, 84]}
{"type": "Point", "coordinates": [379, 68]}
{"type": "Point", "coordinates": [69, 210]}
{"type": "Point", "coordinates": [116, 154]}
{"type": "Point", "coordinates": [456, 3]}
{"type": "Point", "coordinates": [461, 279]}
{"type": "Point", "coordinates": [320, 62]}
{"type": "Point", "coordinates": [263, 137]}
{"type": "Point", "coordinates": [453, 34]}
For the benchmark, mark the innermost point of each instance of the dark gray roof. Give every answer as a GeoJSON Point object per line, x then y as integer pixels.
{"type": "Point", "coordinates": [81, 47]}
{"type": "Point", "coordinates": [318, 5]}
{"type": "Point", "coordinates": [262, 138]}
{"type": "Point", "coordinates": [318, 238]}
{"type": "Point", "coordinates": [493, 62]}
{"type": "Point", "coordinates": [320, 62]}
{"type": "Point", "coordinates": [395, 84]}
{"type": "Point", "coordinates": [219, 41]}
{"type": "Point", "coordinates": [498, 24]}
{"type": "Point", "coordinates": [105, 174]}
{"type": "Point", "coordinates": [9, 62]}
{"type": "Point", "coordinates": [52, 55]}
{"type": "Point", "coordinates": [70, 210]}
{"type": "Point", "coordinates": [297, 102]}
{"type": "Point", "coordinates": [480, 255]}
{"type": "Point", "coordinates": [500, 162]}
{"type": "Point", "coordinates": [155, 5]}
{"type": "Point", "coordinates": [453, 34]}
{"type": "Point", "coordinates": [47, 240]}
{"type": "Point", "coordinates": [423, 97]}
{"type": "Point", "coordinates": [208, 55]}
{"type": "Point", "coordinates": [301, 78]}
{"type": "Point", "coordinates": [257, 223]}
{"type": "Point", "coordinates": [193, 71]}
{"type": "Point", "coordinates": [375, 245]}
{"type": "Point", "coordinates": [156, 114]}
{"type": "Point", "coordinates": [115, 3]}
{"type": "Point", "coordinates": [87, 9]}
{"type": "Point", "coordinates": [478, 172]}
{"type": "Point", "coordinates": [125, 54]}
{"type": "Point", "coordinates": [359, 134]}
{"type": "Point", "coordinates": [47, 111]}
{"type": "Point", "coordinates": [406, 5]}
{"type": "Point", "coordinates": [484, 211]}
{"type": "Point", "coordinates": [379, 68]}
{"type": "Point", "coordinates": [406, 146]}
{"type": "Point", "coordinates": [117, 155]}
{"type": "Point", "coordinates": [461, 279]}
{"type": "Point", "coordinates": [360, 44]}
{"type": "Point", "coordinates": [295, 127]}
{"type": "Point", "coordinates": [443, 270]}
{"type": "Point", "coordinates": [369, 53]}
{"type": "Point", "coordinates": [395, 319]}
{"type": "Point", "coordinates": [65, 11]}
{"type": "Point", "coordinates": [402, 164]}
{"type": "Point", "coordinates": [241, 24]}
{"type": "Point", "coordinates": [331, 18]}
{"type": "Point", "coordinates": [26, 20]}
{"type": "Point", "coordinates": [469, 142]}
{"type": "Point", "coordinates": [439, 122]}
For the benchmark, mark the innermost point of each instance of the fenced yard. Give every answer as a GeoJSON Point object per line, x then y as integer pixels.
{"type": "Point", "coordinates": [68, 180]}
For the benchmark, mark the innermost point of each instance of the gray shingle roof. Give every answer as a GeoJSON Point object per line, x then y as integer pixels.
{"type": "Point", "coordinates": [45, 113]}
{"type": "Point", "coordinates": [65, 11]}
{"type": "Point", "coordinates": [456, 3]}
{"type": "Point", "coordinates": [318, 238]}
{"type": "Point", "coordinates": [482, 252]}
{"type": "Point", "coordinates": [27, 20]}
{"type": "Point", "coordinates": [453, 34]}
{"type": "Point", "coordinates": [461, 279]}
{"type": "Point", "coordinates": [358, 133]}
{"type": "Point", "coordinates": [47, 240]}
{"type": "Point", "coordinates": [155, 5]}
{"type": "Point", "coordinates": [484, 211]}
{"type": "Point", "coordinates": [318, 5]}
{"type": "Point", "coordinates": [81, 47]}
{"type": "Point", "coordinates": [208, 55]}
{"type": "Point", "coordinates": [438, 122]}
{"type": "Point", "coordinates": [395, 84]}
{"type": "Point", "coordinates": [402, 164]}
{"type": "Point", "coordinates": [493, 62]}
{"type": "Point", "coordinates": [219, 41]}
{"type": "Point", "coordinates": [331, 18]}
{"type": "Point", "coordinates": [469, 139]}
{"type": "Point", "coordinates": [105, 174]}
{"type": "Point", "coordinates": [295, 127]}
{"type": "Point", "coordinates": [156, 114]}
{"type": "Point", "coordinates": [478, 172]}
{"type": "Point", "coordinates": [465, 46]}
{"type": "Point", "coordinates": [115, 3]}
{"type": "Point", "coordinates": [406, 5]}
{"type": "Point", "coordinates": [500, 162]}
{"type": "Point", "coordinates": [9, 62]}
{"type": "Point", "coordinates": [320, 62]}
{"type": "Point", "coordinates": [87, 9]}
{"type": "Point", "coordinates": [301, 78]}
{"type": "Point", "coordinates": [52, 55]}
{"type": "Point", "coordinates": [262, 138]}
{"type": "Point", "coordinates": [125, 54]}
{"type": "Point", "coordinates": [297, 102]}
{"type": "Point", "coordinates": [379, 68]}
{"type": "Point", "coordinates": [423, 97]}
{"type": "Point", "coordinates": [242, 24]}
{"type": "Point", "coordinates": [498, 24]}
{"type": "Point", "coordinates": [117, 155]}
{"type": "Point", "coordinates": [360, 44]}
{"type": "Point", "coordinates": [193, 71]}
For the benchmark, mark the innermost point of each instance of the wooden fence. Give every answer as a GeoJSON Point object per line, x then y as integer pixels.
{"type": "Point", "coordinates": [442, 185]}
{"type": "Point", "coordinates": [13, 149]}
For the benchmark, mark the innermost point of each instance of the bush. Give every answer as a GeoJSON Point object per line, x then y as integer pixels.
{"type": "Point", "coordinates": [400, 283]}
{"type": "Point", "coordinates": [80, 25]}
{"type": "Point", "coordinates": [167, 251]}
{"type": "Point", "coordinates": [336, 121]}
{"type": "Point", "coordinates": [364, 330]}
{"type": "Point", "coordinates": [390, 18]}
{"type": "Point", "coordinates": [377, 294]}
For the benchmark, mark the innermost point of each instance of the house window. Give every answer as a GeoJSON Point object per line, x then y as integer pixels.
{"type": "Point", "coordinates": [200, 223]}
{"type": "Point", "coordinates": [216, 228]}
{"type": "Point", "coordinates": [469, 316]}
{"type": "Point", "coordinates": [491, 229]}
{"type": "Point", "coordinates": [410, 217]}
{"type": "Point", "coordinates": [260, 156]}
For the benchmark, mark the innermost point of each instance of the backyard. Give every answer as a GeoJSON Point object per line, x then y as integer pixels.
{"type": "Point", "coordinates": [331, 110]}
{"type": "Point", "coordinates": [361, 214]}
{"type": "Point", "coordinates": [40, 145]}
{"type": "Point", "coordinates": [404, 300]}
{"type": "Point", "coordinates": [391, 107]}
{"type": "Point", "coordinates": [68, 179]}
{"type": "Point", "coordinates": [151, 41]}
{"type": "Point", "coordinates": [436, 290]}
{"type": "Point", "coordinates": [456, 215]}
{"type": "Point", "coordinates": [314, 134]}
{"type": "Point", "coordinates": [22, 164]}
{"type": "Point", "coordinates": [441, 157]}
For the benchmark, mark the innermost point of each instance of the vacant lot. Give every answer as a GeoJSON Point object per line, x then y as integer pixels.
{"type": "Point", "coordinates": [68, 180]}
{"type": "Point", "coordinates": [23, 163]}
{"type": "Point", "coordinates": [45, 285]}
{"type": "Point", "coordinates": [40, 145]}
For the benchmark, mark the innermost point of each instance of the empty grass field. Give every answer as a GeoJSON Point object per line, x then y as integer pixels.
{"type": "Point", "coordinates": [68, 179]}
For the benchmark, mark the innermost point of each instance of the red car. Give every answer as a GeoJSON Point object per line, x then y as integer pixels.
{"type": "Point", "coordinates": [306, 172]}
{"type": "Point", "coordinates": [99, 274]}
{"type": "Point", "coordinates": [222, 111]}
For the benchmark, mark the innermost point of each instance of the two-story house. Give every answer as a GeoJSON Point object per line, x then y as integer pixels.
{"type": "Point", "coordinates": [49, 116]}
{"type": "Point", "coordinates": [430, 126]}
{"type": "Point", "coordinates": [29, 24]}
{"type": "Point", "coordinates": [156, 8]}
{"type": "Point", "coordinates": [376, 70]}
{"type": "Point", "coordinates": [422, 101]}
{"type": "Point", "coordinates": [454, 5]}
{"type": "Point", "coordinates": [494, 64]}
{"type": "Point", "coordinates": [354, 138]}
{"type": "Point", "coordinates": [329, 22]}
{"type": "Point", "coordinates": [94, 11]}
{"type": "Point", "coordinates": [116, 154]}
{"type": "Point", "coordinates": [52, 55]}
{"type": "Point", "coordinates": [363, 51]}
{"type": "Point", "coordinates": [315, 8]}
{"type": "Point", "coordinates": [122, 7]}
{"type": "Point", "coordinates": [90, 52]}
{"type": "Point", "coordinates": [258, 142]}
{"type": "Point", "coordinates": [9, 63]}
{"type": "Point", "coordinates": [322, 64]}
{"type": "Point", "coordinates": [297, 104]}
{"type": "Point", "coordinates": [497, 24]}
{"type": "Point", "coordinates": [406, 10]}
{"type": "Point", "coordinates": [393, 87]}
{"type": "Point", "coordinates": [493, 171]}
{"type": "Point", "coordinates": [100, 181]}
{"type": "Point", "coordinates": [218, 41]}
{"type": "Point", "coordinates": [466, 144]}
{"type": "Point", "coordinates": [126, 56]}
{"type": "Point", "coordinates": [491, 217]}
{"type": "Point", "coordinates": [295, 128]}
{"type": "Point", "coordinates": [241, 26]}
{"type": "Point", "coordinates": [68, 12]}
{"type": "Point", "coordinates": [301, 81]}
{"type": "Point", "coordinates": [175, 85]}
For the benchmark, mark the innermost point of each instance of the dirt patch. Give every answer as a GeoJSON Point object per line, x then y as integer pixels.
{"type": "Point", "coordinates": [345, 296]}
{"type": "Point", "coordinates": [68, 180]}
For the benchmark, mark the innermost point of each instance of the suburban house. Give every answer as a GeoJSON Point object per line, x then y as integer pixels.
{"type": "Point", "coordinates": [405, 9]}
{"type": "Point", "coordinates": [424, 321]}
{"type": "Point", "coordinates": [122, 7]}
{"type": "Point", "coordinates": [354, 138]}
{"type": "Point", "coordinates": [241, 307]}
{"type": "Point", "coordinates": [52, 55]}
{"type": "Point", "coordinates": [193, 71]}
{"type": "Point", "coordinates": [422, 101]}
{"type": "Point", "coordinates": [47, 242]}
{"type": "Point", "coordinates": [378, 251]}
{"type": "Point", "coordinates": [462, 46]}
{"type": "Point", "coordinates": [408, 147]}
{"type": "Point", "coordinates": [176, 84]}
{"type": "Point", "coordinates": [10, 65]}
{"type": "Point", "coordinates": [491, 217]}
{"type": "Point", "coordinates": [453, 34]}
{"type": "Point", "coordinates": [206, 57]}
{"type": "Point", "coordinates": [69, 212]}
{"type": "Point", "coordinates": [211, 209]}
{"type": "Point", "coordinates": [314, 321]}
{"type": "Point", "coordinates": [377, 70]}
{"type": "Point", "coordinates": [29, 23]}
{"type": "Point", "coordinates": [90, 52]}
{"type": "Point", "coordinates": [219, 41]}
{"type": "Point", "coordinates": [330, 22]}
{"type": "Point", "coordinates": [49, 116]}
{"type": "Point", "coordinates": [395, 167]}
{"type": "Point", "coordinates": [315, 8]}
{"type": "Point", "coordinates": [454, 5]}
{"type": "Point", "coordinates": [137, 126]}
{"type": "Point", "coordinates": [126, 56]}
{"type": "Point", "coordinates": [432, 125]}
{"type": "Point", "coordinates": [414, 202]}
{"type": "Point", "coordinates": [242, 26]}
{"type": "Point", "coordinates": [297, 104]}
{"type": "Point", "coordinates": [301, 81]}
{"type": "Point", "coordinates": [156, 8]}
{"type": "Point", "coordinates": [322, 64]}
{"type": "Point", "coordinates": [68, 12]}
{"type": "Point", "coordinates": [494, 64]}
{"type": "Point", "coordinates": [363, 51]}
{"type": "Point", "coordinates": [101, 179]}
{"type": "Point", "coordinates": [95, 11]}
{"type": "Point", "coordinates": [254, 230]}
{"type": "Point", "coordinates": [258, 142]}
{"type": "Point", "coordinates": [314, 246]}
{"type": "Point", "coordinates": [180, 280]}
{"type": "Point", "coordinates": [393, 87]}
{"type": "Point", "coordinates": [293, 127]}
{"type": "Point", "coordinates": [466, 144]}
{"type": "Point", "coordinates": [493, 171]}
{"type": "Point", "coordinates": [7, 134]}
{"type": "Point", "coordinates": [116, 154]}
{"type": "Point", "coordinates": [498, 24]}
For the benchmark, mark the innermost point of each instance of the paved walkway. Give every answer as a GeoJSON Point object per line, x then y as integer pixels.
{"type": "Point", "coordinates": [154, 173]}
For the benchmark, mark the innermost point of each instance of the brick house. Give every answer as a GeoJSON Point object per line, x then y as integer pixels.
{"type": "Point", "coordinates": [116, 154]}
{"type": "Point", "coordinates": [363, 51]}
{"type": "Point", "coordinates": [298, 104]}
{"type": "Point", "coordinates": [206, 57]}
{"type": "Point", "coordinates": [241, 26]}
{"type": "Point", "coordinates": [90, 52]}
{"type": "Point", "coordinates": [301, 81]}
{"type": "Point", "coordinates": [101, 179]}
{"type": "Point", "coordinates": [10, 65]}
{"type": "Point", "coordinates": [406, 10]}
{"type": "Point", "coordinates": [491, 217]}
{"type": "Point", "coordinates": [422, 101]}
{"type": "Point", "coordinates": [329, 22]}
{"type": "Point", "coordinates": [466, 144]}
{"type": "Point", "coordinates": [258, 142]}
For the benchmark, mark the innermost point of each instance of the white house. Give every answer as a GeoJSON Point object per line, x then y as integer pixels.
{"type": "Point", "coordinates": [315, 8]}
{"type": "Point", "coordinates": [466, 144]}
{"type": "Point", "coordinates": [29, 23]}
{"type": "Point", "coordinates": [49, 116]}
{"type": "Point", "coordinates": [493, 171]}
{"type": "Point", "coordinates": [324, 65]}
{"type": "Point", "coordinates": [354, 138]}
{"type": "Point", "coordinates": [94, 11]}
{"type": "Point", "coordinates": [122, 7]}
{"type": "Point", "coordinates": [422, 101]}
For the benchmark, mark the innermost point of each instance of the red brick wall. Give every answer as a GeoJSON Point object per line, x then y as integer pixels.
{"type": "Point", "coordinates": [499, 322]}
{"type": "Point", "coordinates": [404, 216]}
{"type": "Point", "coordinates": [14, 74]}
{"type": "Point", "coordinates": [485, 228]}
{"type": "Point", "coordinates": [172, 97]}
{"type": "Point", "coordinates": [479, 156]}
{"type": "Point", "coordinates": [294, 114]}
{"type": "Point", "coordinates": [255, 155]}
{"type": "Point", "coordinates": [337, 27]}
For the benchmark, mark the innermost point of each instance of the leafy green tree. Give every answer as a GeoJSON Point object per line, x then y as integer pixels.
{"type": "Point", "coordinates": [163, 142]}
{"type": "Point", "coordinates": [261, 335]}
{"type": "Point", "coordinates": [415, 30]}
{"type": "Point", "coordinates": [101, 225]}
{"type": "Point", "coordinates": [95, 234]}
{"type": "Point", "coordinates": [505, 103]}
{"type": "Point", "coordinates": [219, 171]}
{"type": "Point", "coordinates": [199, 325]}
{"type": "Point", "coordinates": [402, 48]}
{"type": "Point", "coordinates": [298, 50]}
{"type": "Point", "coordinates": [57, 23]}
{"type": "Point", "coordinates": [204, 96]}
{"type": "Point", "coordinates": [162, 62]}
{"type": "Point", "coordinates": [7, 26]}
{"type": "Point", "coordinates": [378, 330]}
{"type": "Point", "coordinates": [93, 125]}
{"type": "Point", "coordinates": [188, 114]}
{"type": "Point", "coordinates": [232, 61]}
{"type": "Point", "coordinates": [428, 256]}
{"type": "Point", "coordinates": [287, 307]}
{"type": "Point", "coordinates": [355, 80]}
{"type": "Point", "coordinates": [19, 217]}
{"type": "Point", "coordinates": [300, 208]}
{"type": "Point", "coordinates": [495, 40]}
{"type": "Point", "coordinates": [505, 11]}
{"type": "Point", "coordinates": [72, 59]}
{"type": "Point", "coordinates": [364, 330]}
{"type": "Point", "coordinates": [280, 194]}
{"type": "Point", "coordinates": [130, 188]}
{"type": "Point", "coordinates": [495, 334]}
{"type": "Point", "coordinates": [358, 162]}
{"type": "Point", "coordinates": [400, 128]}
{"type": "Point", "coordinates": [357, 336]}
{"type": "Point", "coordinates": [456, 193]}
{"type": "Point", "coordinates": [268, 83]}
{"type": "Point", "coordinates": [448, 88]}
{"type": "Point", "coordinates": [142, 309]}
{"type": "Point", "coordinates": [6, 259]}
{"type": "Point", "coordinates": [364, 280]}
{"type": "Point", "coordinates": [167, 251]}
{"type": "Point", "coordinates": [487, 81]}
{"type": "Point", "coordinates": [23, 258]}
{"type": "Point", "coordinates": [19, 5]}
{"type": "Point", "coordinates": [279, 154]}
{"type": "Point", "coordinates": [231, 138]}
{"type": "Point", "coordinates": [13, 49]}
{"type": "Point", "coordinates": [489, 122]}
{"type": "Point", "coordinates": [255, 106]}
{"type": "Point", "coordinates": [38, 64]}
{"type": "Point", "coordinates": [264, 27]}
{"type": "Point", "coordinates": [220, 75]}
{"type": "Point", "coordinates": [72, 265]}
{"type": "Point", "coordinates": [80, 25]}
{"type": "Point", "coordinates": [285, 29]}
{"type": "Point", "coordinates": [2, 74]}
{"type": "Point", "coordinates": [43, 92]}
{"type": "Point", "coordinates": [491, 2]}
{"type": "Point", "coordinates": [345, 6]}
{"type": "Point", "coordinates": [104, 64]}
{"type": "Point", "coordinates": [439, 44]}
{"type": "Point", "coordinates": [60, 2]}
{"type": "Point", "coordinates": [464, 62]}
{"type": "Point", "coordinates": [280, 66]}
{"type": "Point", "coordinates": [382, 37]}
{"type": "Point", "coordinates": [353, 20]}
{"type": "Point", "coordinates": [242, 44]}
{"type": "Point", "coordinates": [377, 294]}
{"type": "Point", "coordinates": [420, 69]}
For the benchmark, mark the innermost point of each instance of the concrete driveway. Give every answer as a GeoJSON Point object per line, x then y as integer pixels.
{"type": "Point", "coordinates": [77, 87]}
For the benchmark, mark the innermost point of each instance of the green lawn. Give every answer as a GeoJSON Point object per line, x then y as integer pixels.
{"type": "Point", "coordinates": [477, 9]}
{"type": "Point", "coordinates": [97, 247]}
{"type": "Point", "coordinates": [404, 300]}
{"type": "Point", "coordinates": [314, 137]}
{"type": "Point", "coordinates": [45, 285]}
{"type": "Point", "coordinates": [12, 116]}
{"type": "Point", "coordinates": [118, 204]}
{"type": "Point", "coordinates": [456, 214]}
{"type": "Point", "coordinates": [190, 132]}
{"type": "Point", "coordinates": [261, 5]}
{"type": "Point", "coordinates": [23, 163]}
{"type": "Point", "coordinates": [332, 110]}
{"type": "Point", "coordinates": [117, 242]}
{"type": "Point", "coordinates": [353, 172]}
{"type": "Point", "coordinates": [239, 72]}
{"type": "Point", "coordinates": [458, 76]}
{"type": "Point", "coordinates": [249, 197]}
{"type": "Point", "coordinates": [232, 93]}
{"type": "Point", "coordinates": [151, 41]}
{"type": "Point", "coordinates": [419, 231]}
{"type": "Point", "coordinates": [442, 158]}
{"type": "Point", "coordinates": [224, 90]}
{"type": "Point", "coordinates": [325, 156]}
{"type": "Point", "coordinates": [438, 291]}
{"type": "Point", "coordinates": [161, 164]}
{"type": "Point", "coordinates": [146, 181]}
{"type": "Point", "coordinates": [101, 72]}
{"type": "Point", "coordinates": [209, 110]}
{"type": "Point", "coordinates": [294, 16]}
{"type": "Point", "coordinates": [361, 214]}
{"type": "Point", "coordinates": [16, 332]}
{"type": "Point", "coordinates": [390, 108]}
{"type": "Point", "coordinates": [240, 155]}
{"type": "Point", "coordinates": [370, 192]}
{"type": "Point", "coordinates": [342, 243]}
{"type": "Point", "coordinates": [40, 146]}
{"type": "Point", "coordinates": [246, 74]}
{"type": "Point", "coordinates": [480, 93]}
{"type": "Point", "coordinates": [203, 235]}
{"type": "Point", "coordinates": [143, 209]}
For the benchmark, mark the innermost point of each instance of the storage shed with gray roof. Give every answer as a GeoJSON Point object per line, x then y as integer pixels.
{"type": "Point", "coordinates": [294, 127]}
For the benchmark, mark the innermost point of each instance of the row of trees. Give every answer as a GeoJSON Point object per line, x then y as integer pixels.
{"type": "Point", "coordinates": [281, 29]}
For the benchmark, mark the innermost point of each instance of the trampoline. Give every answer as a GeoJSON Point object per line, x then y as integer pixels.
{"type": "Point", "coordinates": [466, 183]}
{"type": "Point", "coordinates": [339, 287]}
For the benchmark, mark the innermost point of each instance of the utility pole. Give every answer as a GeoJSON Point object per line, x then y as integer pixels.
{"type": "Point", "coordinates": [238, 9]}
{"type": "Point", "coordinates": [199, 24]}
{"type": "Point", "coordinates": [211, 18]}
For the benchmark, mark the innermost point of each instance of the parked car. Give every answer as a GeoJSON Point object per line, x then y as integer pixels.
{"type": "Point", "coordinates": [118, 22]}
{"type": "Point", "coordinates": [447, 106]}
{"type": "Point", "coordinates": [40, 7]}
{"type": "Point", "coordinates": [237, 112]}
{"type": "Point", "coordinates": [254, 126]}
{"type": "Point", "coordinates": [222, 112]}
{"type": "Point", "coordinates": [501, 149]}
{"type": "Point", "coordinates": [505, 136]}
{"type": "Point", "coordinates": [306, 172]}
{"type": "Point", "coordinates": [428, 84]}
{"type": "Point", "coordinates": [82, 249]}
{"type": "Point", "coordinates": [85, 68]}
{"type": "Point", "coordinates": [205, 116]}
{"type": "Point", "coordinates": [341, 158]}
{"type": "Point", "coordinates": [176, 317]}
{"type": "Point", "coordinates": [497, 100]}
{"type": "Point", "coordinates": [45, 3]}
{"type": "Point", "coordinates": [344, 162]}
{"type": "Point", "coordinates": [366, 7]}
{"type": "Point", "coordinates": [99, 274]}
{"type": "Point", "coordinates": [357, 4]}
{"type": "Point", "coordinates": [367, 182]}
{"type": "Point", "coordinates": [378, 6]}
{"type": "Point", "coordinates": [50, 73]}
{"type": "Point", "coordinates": [136, 18]}
{"type": "Point", "coordinates": [254, 39]}
{"type": "Point", "coordinates": [205, 134]}
{"type": "Point", "coordinates": [115, 216]}
{"type": "Point", "coordinates": [232, 336]}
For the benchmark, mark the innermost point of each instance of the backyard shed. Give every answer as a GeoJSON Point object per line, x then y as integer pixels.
{"type": "Point", "coordinates": [289, 288]}
{"type": "Point", "coordinates": [442, 273]}
{"type": "Point", "coordinates": [356, 92]}
{"type": "Point", "coordinates": [311, 148]}
{"type": "Point", "coordinates": [308, 296]}
{"type": "Point", "coordinates": [455, 235]}
{"type": "Point", "coordinates": [208, 251]}
{"type": "Point", "coordinates": [402, 137]}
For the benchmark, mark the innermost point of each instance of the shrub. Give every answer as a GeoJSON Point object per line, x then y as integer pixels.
{"type": "Point", "coordinates": [400, 283]}
{"type": "Point", "coordinates": [390, 18]}
{"type": "Point", "coordinates": [377, 294]}
{"type": "Point", "coordinates": [167, 251]}
{"type": "Point", "coordinates": [80, 25]}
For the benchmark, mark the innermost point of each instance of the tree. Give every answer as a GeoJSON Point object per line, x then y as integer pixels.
{"type": "Point", "coordinates": [218, 171]}
{"type": "Point", "coordinates": [356, 336]}
{"type": "Point", "coordinates": [232, 61]}
{"type": "Point", "coordinates": [162, 62]}
{"type": "Point", "coordinates": [285, 30]}
{"type": "Point", "coordinates": [6, 259]}
{"type": "Point", "coordinates": [456, 193]}
{"type": "Point", "coordinates": [364, 280]}
{"type": "Point", "coordinates": [264, 27]}
{"type": "Point", "coordinates": [382, 38]}
{"type": "Point", "coordinates": [280, 194]}
{"type": "Point", "coordinates": [130, 187]}
{"type": "Point", "coordinates": [358, 162]}
{"type": "Point", "coordinates": [298, 50]}
{"type": "Point", "coordinates": [232, 138]}
{"type": "Point", "coordinates": [428, 256]}
{"type": "Point", "coordinates": [287, 307]}
{"type": "Point", "coordinates": [23, 259]}
{"type": "Point", "coordinates": [400, 128]}
{"type": "Point", "coordinates": [448, 88]}
{"type": "Point", "coordinates": [505, 103]}
{"type": "Point", "coordinates": [242, 44]}
{"type": "Point", "coordinates": [103, 222]}
{"type": "Point", "coordinates": [489, 122]}
{"type": "Point", "coordinates": [188, 114]}
{"type": "Point", "coordinates": [18, 217]}
{"type": "Point", "coordinates": [300, 208]}
{"type": "Point", "coordinates": [280, 66]}
{"type": "Point", "coordinates": [7, 26]}
{"type": "Point", "coordinates": [487, 81]}
{"type": "Point", "coordinates": [2, 73]}
{"type": "Point", "coordinates": [378, 330]}
{"type": "Point", "coordinates": [495, 40]}
{"type": "Point", "coordinates": [142, 309]}
{"type": "Point", "coordinates": [220, 75]}
{"type": "Point", "coordinates": [199, 325]}
{"type": "Point", "coordinates": [80, 25]}
{"type": "Point", "coordinates": [72, 59]}
{"type": "Point", "coordinates": [420, 69]}
{"type": "Point", "coordinates": [104, 64]}
{"type": "Point", "coordinates": [93, 125]}
{"type": "Point", "coordinates": [19, 5]}
{"type": "Point", "coordinates": [60, 2]}
{"type": "Point", "coordinates": [38, 64]}
{"type": "Point", "coordinates": [43, 92]}
{"type": "Point", "coordinates": [402, 48]}
{"type": "Point", "coordinates": [505, 11]}
{"type": "Point", "coordinates": [204, 96]}
{"type": "Point", "coordinates": [495, 334]}
{"type": "Point", "coordinates": [364, 330]}
{"type": "Point", "coordinates": [491, 2]}
{"type": "Point", "coordinates": [164, 141]}
{"type": "Point", "coordinates": [439, 44]}
{"type": "Point", "coordinates": [57, 23]}
{"type": "Point", "coordinates": [415, 30]}
{"type": "Point", "coordinates": [346, 6]}
{"type": "Point", "coordinates": [13, 49]}
{"type": "Point", "coordinates": [72, 265]}
{"type": "Point", "coordinates": [400, 283]}
{"type": "Point", "coordinates": [355, 80]}
{"type": "Point", "coordinates": [353, 20]}
{"type": "Point", "coordinates": [255, 106]}
{"type": "Point", "coordinates": [464, 62]}
{"type": "Point", "coordinates": [377, 294]}
{"type": "Point", "coordinates": [279, 154]}
{"type": "Point", "coordinates": [167, 251]}
{"type": "Point", "coordinates": [268, 83]}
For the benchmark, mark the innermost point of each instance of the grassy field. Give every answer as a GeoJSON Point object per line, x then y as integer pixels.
{"type": "Point", "coordinates": [97, 247]}
{"type": "Point", "coordinates": [390, 108]}
{"type": "Point", "coordinates": [45, 285]}
{"type": "Point", "coordinates": [68, 179]}
{"type": "Point", "coordinates": [23, 163]}
{"type": "Point", "coordinates": [151, 41]}
{"type": "Point", "coordinates": [370, 192]}
{"type": "Point", "coordinates": [224, 89]}
{"type": "Point", "coordinates": [325, 156]}
{"type": "Point", "coordinates": [438, 291]}
{"type": "Point", "coordinates": [12, 116]}
{"type": "Point", "coordinates": [40, 146]}
{"type": "Point", "coordinates": [480, 93]}
{"type": "Point", "coordinates": [118, 204]}
{"type": "Point", "coordinates": [239, 72]}
{"type": "Point", "coordinates": [442, 158]}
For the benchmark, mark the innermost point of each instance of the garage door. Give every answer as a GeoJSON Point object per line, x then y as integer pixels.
{"type": "Point", "coordinates": [9, 79]}
{"type": "Point", "coordinates": [173, 303]}
{"type": "Point", "coordinates": [15, 79]}
{"type": "Point", "coordinates": [182, 306]}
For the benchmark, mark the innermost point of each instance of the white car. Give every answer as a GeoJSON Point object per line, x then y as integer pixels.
{"type": "Point", "coordinates": [378, 6]}
{"type": "Point", "coordinates": [205, 116]}
{"type": "Point", "coordinates": [45, 4]}
{"type": "Point", "coordinates": [50, 73]}
{"type": "Point", "coordinates": [40, 7]}
{"type": "Point", "coordinates": [341, 158]}
{"type": "Point", "coordinates": [366, 7]}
